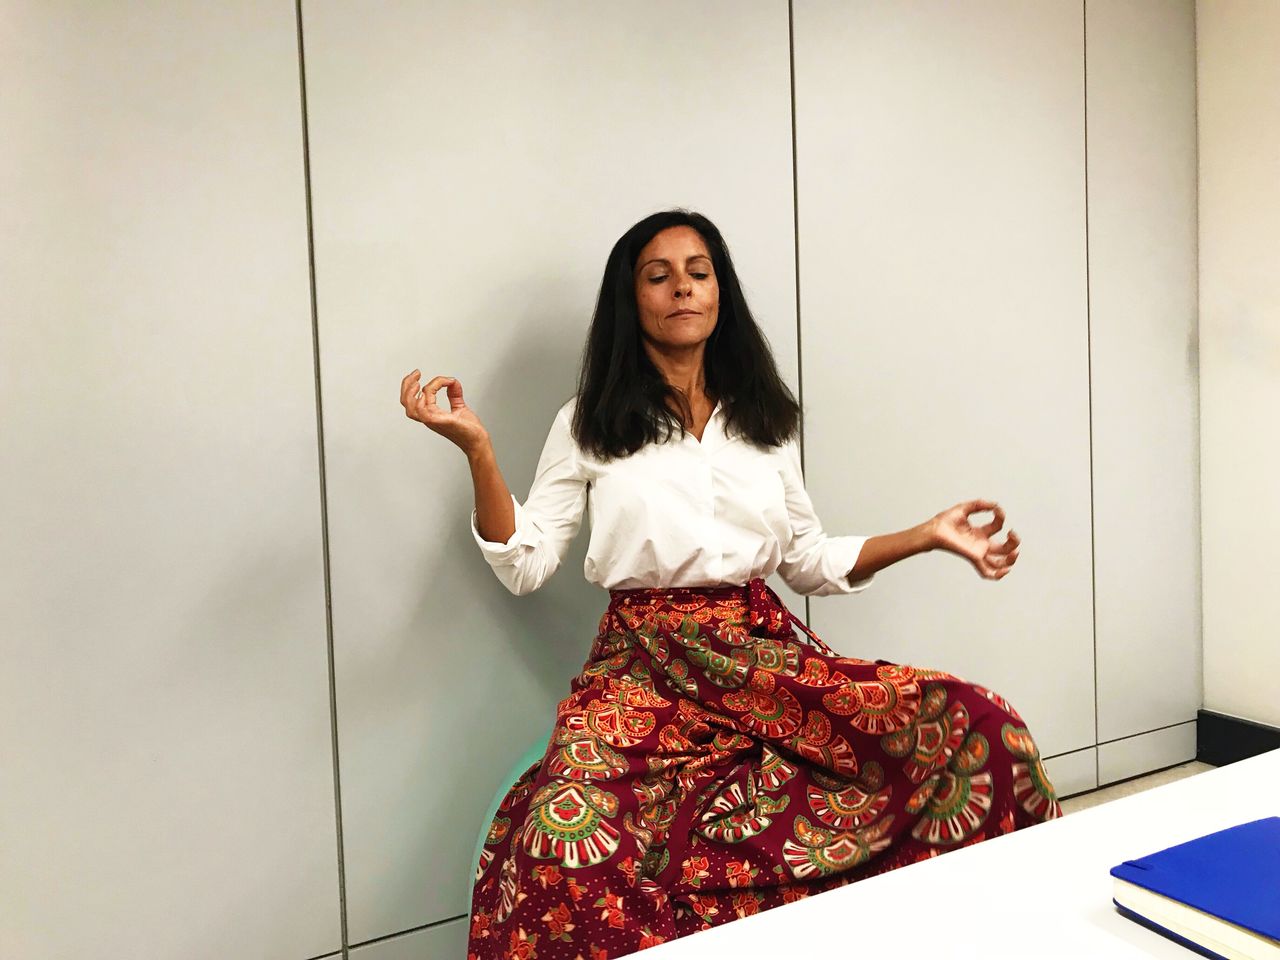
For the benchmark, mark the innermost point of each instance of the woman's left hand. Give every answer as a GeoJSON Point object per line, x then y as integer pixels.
{"type": "Point", "coordinates": [952, 531]}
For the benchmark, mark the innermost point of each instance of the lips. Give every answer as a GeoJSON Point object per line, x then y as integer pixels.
{"type": "Point", "coordinates": [683, 313]}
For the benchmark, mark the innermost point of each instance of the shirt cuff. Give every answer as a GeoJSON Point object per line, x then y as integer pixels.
{"type": "Point", "coordinates": [842, 554]}
{"type": "Point", "coordinates": [501, 553]}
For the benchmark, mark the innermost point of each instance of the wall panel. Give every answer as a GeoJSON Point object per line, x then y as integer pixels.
{"type": "Point", "coordinates": [472, 166]}
{"type": "Point", "coordinates": [444, 941]}
{"type": "Point", "coordinates": [1153, 750]}
{"type": "Point", "coordinates": [1073, 773]}
{"type": "Point", "coordinates": [1142, 283]}
{"type": "Point", "coordinates": [167, 770]}
{"type": "Point", "coordinates": [943, 330]}
{"type": "Point", "coordinates": [1239, 233]}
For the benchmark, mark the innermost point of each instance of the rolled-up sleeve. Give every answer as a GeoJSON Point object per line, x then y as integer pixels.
{"type": "Point", "coordinates": [813, 563]}
{"type": "Point", "coordinates": [546, 522]}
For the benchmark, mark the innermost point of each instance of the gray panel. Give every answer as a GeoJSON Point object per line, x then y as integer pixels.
{"type": "Point", "coordinates": [1142, 279]}
{"type": "Point", "coordinates": [167, 774]}
{"type": "Point", "coordinates": [1073, 773]}
{"type": "Point", "coordinates": [1239, 139]}
{"type": "Point", "coordinates": [1132, 756]}
{"type": "Point", "coordinates": [943, 299]}
{"type": "Point", "coordinates": [472, 165]}
{"type": "Point", "coordinates": [444, 941]}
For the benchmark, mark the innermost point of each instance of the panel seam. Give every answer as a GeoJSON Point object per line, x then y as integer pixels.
{"type": "Point", "coordinates": [1131, 736]}
{"type": "Point", "coordinates": [324, 493]}
{"type": "Point", "coordinates": [1088, 323]}
{"type": "Point", "coordinates": [795, 232]}
{"type": "Point", "coordinates": [404, 933]}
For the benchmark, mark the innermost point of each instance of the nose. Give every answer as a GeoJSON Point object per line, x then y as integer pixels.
{"type": "Point", "coordinates": [684, 288]}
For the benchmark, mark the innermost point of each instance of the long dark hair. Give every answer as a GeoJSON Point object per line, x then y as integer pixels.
{"type": "Point", "coordinates": [623, 400]}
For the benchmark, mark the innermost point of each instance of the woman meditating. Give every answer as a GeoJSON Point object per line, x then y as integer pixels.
{"type": "Point", "coordinates": [709, 762]}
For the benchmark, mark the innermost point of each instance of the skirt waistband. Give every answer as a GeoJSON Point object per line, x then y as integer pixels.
{"type": "Point", "coordinates": [764, 607]}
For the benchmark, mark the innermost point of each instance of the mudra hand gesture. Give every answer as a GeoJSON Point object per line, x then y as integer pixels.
{"type": "Point", "coordinates": [952, 531]}
{"type": "Point", "coordinates": [459, 423]}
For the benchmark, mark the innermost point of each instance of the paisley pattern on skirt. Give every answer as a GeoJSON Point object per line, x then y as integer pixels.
{"type": "Point", "coordinates": [707, 765]}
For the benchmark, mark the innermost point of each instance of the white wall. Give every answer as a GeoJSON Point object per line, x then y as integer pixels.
{"type": "Point", "coordinates": [1239, 122]}
{"type": "Point", "coordinates": [1140, 98]}
{"type": "Point", "coordinates": [942, 234]}
{"type": "Point", "coordinates": [468, 185]}
{"type": "Point", "coordinates": [165, 697]}
{"type": "Point", "coordinates": [166, 784]}
{"type": "Point", "coordinates": [1012, 314]}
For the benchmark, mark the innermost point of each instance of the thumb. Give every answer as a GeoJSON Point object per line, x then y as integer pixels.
{"type": "Point", "coordinates": [454, 392]}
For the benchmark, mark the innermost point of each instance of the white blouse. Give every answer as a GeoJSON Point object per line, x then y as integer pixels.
{"type": "Point", "coordinates": [681, 513]}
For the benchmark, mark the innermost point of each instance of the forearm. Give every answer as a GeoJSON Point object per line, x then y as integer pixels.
{"type": "Point", "coordinates": [495, 513]}
{"type": "Point", "coordinates": [887, 549]}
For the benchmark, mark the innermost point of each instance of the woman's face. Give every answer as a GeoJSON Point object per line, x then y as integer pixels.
{"type": "Point", "coordinates": [677, 295]}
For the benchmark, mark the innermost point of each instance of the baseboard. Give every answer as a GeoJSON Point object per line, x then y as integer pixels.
{"type": "Point", "coordinates": [1221, 739]}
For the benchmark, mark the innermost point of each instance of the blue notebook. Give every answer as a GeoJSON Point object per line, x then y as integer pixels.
{"type": "Point", "coordinates": [1218, 895]}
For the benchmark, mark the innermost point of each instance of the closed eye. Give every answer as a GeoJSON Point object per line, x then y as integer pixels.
{"type": "Point", "coordinates": [663, 278]}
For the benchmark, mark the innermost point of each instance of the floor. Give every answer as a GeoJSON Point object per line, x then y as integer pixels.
{"type": "Point", "coordinates": [1137, 785]}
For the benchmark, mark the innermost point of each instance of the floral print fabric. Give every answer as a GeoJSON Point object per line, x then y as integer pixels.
{"type": "Point", "coordinates": [707, 765]}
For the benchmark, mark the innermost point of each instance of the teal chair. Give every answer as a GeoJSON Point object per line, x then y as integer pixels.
{"type": "Point", "coordinates": [527, 759]}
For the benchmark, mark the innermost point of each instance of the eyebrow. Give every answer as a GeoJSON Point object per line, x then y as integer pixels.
{"type": "Point", "coordinates": [696, 256]}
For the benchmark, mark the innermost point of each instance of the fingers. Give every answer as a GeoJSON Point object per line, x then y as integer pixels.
{"type": "Point", "coordinates": [988, 530]}
{"type": "Point", "coordinates": [1010, 545]}
{"type": "Point", "coordinates": [420, 402]}
{"type": "Point", "coordinates": [409, 389]}
{"type": "Point", "coordinates": [1000, 559]}
{"type": "Point", "coordinates": [430, 405]}
{"type": "Point", "coordinates": [409, 386]}
{"type": "Point", "coordinates": [981, 506]}
{"type": "Point", "coordinates": [435, 384]}
{"type": "Point", "coordinates": [992, 571]}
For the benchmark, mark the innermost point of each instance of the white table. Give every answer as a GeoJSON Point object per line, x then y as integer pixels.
{"type": "Point", "coordinates": [1041, 892]}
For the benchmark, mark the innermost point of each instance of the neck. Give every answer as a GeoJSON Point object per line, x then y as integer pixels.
{"type": "Point", "coordinates": [681, 368]}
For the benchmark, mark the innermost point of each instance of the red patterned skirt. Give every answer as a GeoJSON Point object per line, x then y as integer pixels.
{"type": "Point", "coordinates": [707, 766]}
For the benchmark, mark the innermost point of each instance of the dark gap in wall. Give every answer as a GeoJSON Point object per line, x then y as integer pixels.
{"type": "Point", "coordinates": [1221, 739]}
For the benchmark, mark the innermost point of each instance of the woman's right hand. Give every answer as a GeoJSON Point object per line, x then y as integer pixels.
{"type": "Point", "coordinates": [459, 423]}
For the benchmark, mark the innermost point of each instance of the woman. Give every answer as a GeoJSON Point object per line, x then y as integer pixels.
{"type": "Point", "coordinates": [707, 764]}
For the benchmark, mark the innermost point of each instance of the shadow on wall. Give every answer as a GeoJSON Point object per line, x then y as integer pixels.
{"type": "Point", "coordinates": [538, 642]}
{"type": "Point", "coordinates": [537, 374]}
